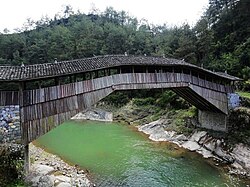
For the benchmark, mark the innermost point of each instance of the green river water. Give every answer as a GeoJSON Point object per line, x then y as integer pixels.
{"type": "Point", "coordinates": [118, 155]}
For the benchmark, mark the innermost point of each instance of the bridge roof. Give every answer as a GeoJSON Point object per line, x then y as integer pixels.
{"type": "Point", "coordinates": [39, 71]}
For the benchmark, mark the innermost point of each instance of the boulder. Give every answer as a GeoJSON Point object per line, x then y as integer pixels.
{"type": "Point", "coordinates": [45, 181]}
{"type": "Point", "coordinates": [204, 152]}
{"type": "Point", "coordinates": [226, 157]}
{"type": "Point", "coordinates": [191, 145]}
{"type": "Point", "coordinates": [210, 145]}
{"type": "Point", "coordinates": [42, 169]}
{"type": "Point", "coordinates": [62, 178]}
{"type": "Point", "coordinates": [198, 135]}
{"type": "Point", "coordinates": [94, 114]}
{"type": "Point", "coordinates": [159, 135]}
{"type": "Point", "coordinates": [241, 154]}
{"type": "Point", "coordinates": [64, 184]}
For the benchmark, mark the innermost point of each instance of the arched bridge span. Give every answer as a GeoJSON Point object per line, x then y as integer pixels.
{"type": "Point", "coordinates": [49, 94]}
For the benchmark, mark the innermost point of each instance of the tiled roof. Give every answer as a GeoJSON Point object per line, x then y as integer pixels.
{"type": "Point", "coordinates": [39, 71]}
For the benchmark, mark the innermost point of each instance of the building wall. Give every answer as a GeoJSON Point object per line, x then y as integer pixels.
{"type": "Point", "coordinates": [10, 129]}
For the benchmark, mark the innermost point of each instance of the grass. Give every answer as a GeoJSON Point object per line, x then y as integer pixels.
{"type": "Point", "coordinates": [244, 94]}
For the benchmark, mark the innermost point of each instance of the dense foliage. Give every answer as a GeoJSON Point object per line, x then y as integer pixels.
{"type": "Point", "coordinates": [220, 39]}
{"type": "Point", "coordinates": [11, 164]}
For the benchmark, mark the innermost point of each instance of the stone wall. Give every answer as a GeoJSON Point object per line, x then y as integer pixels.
{"type": "Point", "coordinates": [10, 129]}
{"type": "Point", "coordinates": [233, 100]}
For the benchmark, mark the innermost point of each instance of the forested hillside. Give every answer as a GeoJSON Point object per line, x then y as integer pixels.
{"type": "Point", "coordinates": [219, 41]}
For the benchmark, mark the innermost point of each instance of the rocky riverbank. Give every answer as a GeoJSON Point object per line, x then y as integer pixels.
{"type": "Point", "coordinates": [49, 170]}
{"type": "Point", "coordinates": [237, 157]}
{"type": "Point", "coordinates": [94, 114]}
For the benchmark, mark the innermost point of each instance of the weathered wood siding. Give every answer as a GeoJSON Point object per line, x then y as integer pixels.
{"type": "Point", "coordinates": [45, 108]}
{"type": "Point", "coordinates": [9, 98]}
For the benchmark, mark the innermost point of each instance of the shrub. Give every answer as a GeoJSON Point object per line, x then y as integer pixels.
{"type": "Point", "coordinates": [11, 165]}
{"type": "Point", "coordinates": [169, 98]}
{"type": "Point", "coordinates": [117, 99]}
{"type": "Point", "coordinates": [143, 102]}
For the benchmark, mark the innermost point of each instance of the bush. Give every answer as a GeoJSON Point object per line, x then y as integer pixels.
{"type": "Point", "coordinates": [143, 102]}
{"type": "Point", "coordinates": [169, 98]}
{"type": "Point", "coordinates": [11, 165]}
{"type": "Point", "coordinates": [244, 86]}
{"type": "Point", "coordinates": [240, 118]}
{"type": "Point", "coordinates": [117, 99]}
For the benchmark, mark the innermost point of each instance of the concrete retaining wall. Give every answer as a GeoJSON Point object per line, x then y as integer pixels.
{"type": "Point", "coordinates": [213, 121]}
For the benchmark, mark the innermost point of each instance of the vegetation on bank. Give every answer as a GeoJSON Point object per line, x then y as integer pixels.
{"type": "Point", "coordinates": [11, 165]}
{"type": "Point", "coordinates": [239, 121]}
{"type": "Point", "coordinates": [244, 94]}
{"type": "Point", "coordinates": [145, 106]}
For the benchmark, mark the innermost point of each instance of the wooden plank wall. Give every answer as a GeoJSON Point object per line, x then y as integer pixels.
{"type": "Point", "coordinates": [45, 108]}
{"type": "Point", "coordinates": [9, 98]}
{"type": "Point", "coordinates": [218, 99]}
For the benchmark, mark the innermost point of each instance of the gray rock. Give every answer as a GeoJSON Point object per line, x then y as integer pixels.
{"type": "Point", "coordinates": [211, 145]}
{"type": "Point", "coordinates": [224, 156]}
{"type": "Point", "coordinates": [83, 182]}
{"type": "Point", "coordinates": [151, 128]}
{"type": "Point", "coordinates": [94, 114]}
{"type": "Point", "coordinates": [205, 153]}
{"type": "Point", "coordinates": [241, 154]}
{"type": "Point", "coordinates": [191, 145]}
{"type": "Point", "coordinates": [45, 181]}
{"type": "Point", "coordinates": [62, 178]}
{"type": "Point", "coordinates": [198, 135]}
{"type": "Point", "coordinates": [43, 169]}
{"type": "Point", "coordinates": [159, 135]}
{"type": "Point", "coordinates": [64, 184]}
{"type": "Point", "coordinates": [181, 137]}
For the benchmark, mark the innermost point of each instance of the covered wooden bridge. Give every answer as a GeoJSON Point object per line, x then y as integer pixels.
{"type": "Point", "coordinates": [49, 94]}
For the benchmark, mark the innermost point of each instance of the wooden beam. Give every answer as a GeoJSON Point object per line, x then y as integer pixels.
{"type": "Point", "coordinates": [24, 129]}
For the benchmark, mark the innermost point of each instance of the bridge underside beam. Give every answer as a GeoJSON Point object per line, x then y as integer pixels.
{"type": "Point", "coordinates": [195, 99]}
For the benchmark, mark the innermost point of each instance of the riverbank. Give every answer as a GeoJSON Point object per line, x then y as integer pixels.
{"type": "Point", "coordinates": [180, 126]}
{"type": "Point", "coordinates": [49, 170]}
{"type": "Point", "coordinates": [237, 158]}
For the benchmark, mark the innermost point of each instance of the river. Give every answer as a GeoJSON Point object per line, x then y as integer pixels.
{"type": "Point", "coordinates": [119, 155]}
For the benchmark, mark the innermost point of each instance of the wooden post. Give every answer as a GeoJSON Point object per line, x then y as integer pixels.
{"type": "Point", "coordinates": [26, 159]}
{"type": "Point", "coordinates": [191, 77]}
{"type": "Point", "coordinates": [24, 130]}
